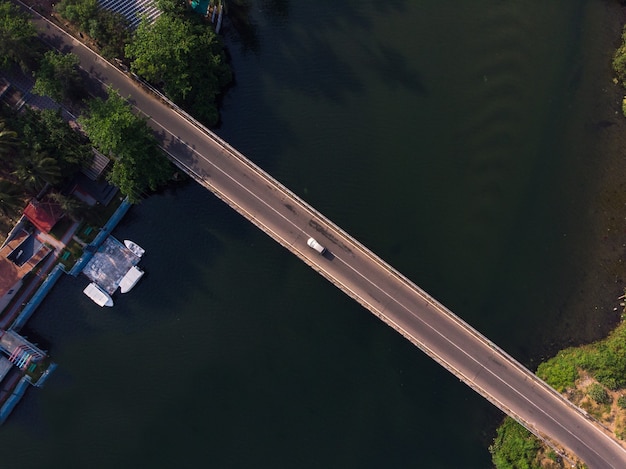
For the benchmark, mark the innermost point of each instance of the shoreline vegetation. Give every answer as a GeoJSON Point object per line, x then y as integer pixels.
{"type": "Point", "coordinates": [40, 152]}
{"type": "Point", "coordinates": [68, 149]}
{"type": "Point", "coordinates": [592, 376]}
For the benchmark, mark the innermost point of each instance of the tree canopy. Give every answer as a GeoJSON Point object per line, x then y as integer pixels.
{"type": "Point", "coordinates": [18, 43]}
{"type": "Point", "coordinates": [109, 29]}
{"type": "Point", "coordinates": [8, 143]}
{"type": "Point", "coordinates": [172, 6]}
{"type": "Point", "coordinates": [514, 447]}
{"type": "Point", "coordinates": [36, 169]}
{"type": "Point", "coordinates": [10, 198]}
{"type": "Point", "coordinates": [186, 58]}
{"type": "Point", "coordinates": [58, 76]}
{"type": "Point", "coordinates": [47, 132]}
{"type": "Point", "coordinates": [139, 165]}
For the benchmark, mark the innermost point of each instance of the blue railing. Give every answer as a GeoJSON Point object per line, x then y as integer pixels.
{"type": "Point", "coordinates": [106, 230]}
{"type": "Point", "coordinates": [12, 401]}
{"type": "Point", "coordinates": [38, 297]}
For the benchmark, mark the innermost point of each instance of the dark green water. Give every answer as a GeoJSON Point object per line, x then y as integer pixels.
{"type": "Point", "coordinates": [437, 133]}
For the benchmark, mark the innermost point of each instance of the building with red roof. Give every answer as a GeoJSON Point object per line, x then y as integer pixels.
{"type": "Point", "coordinates": [43, 214]}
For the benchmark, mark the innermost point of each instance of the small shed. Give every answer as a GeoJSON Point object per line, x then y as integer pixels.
{"type": "Point", "coordinates": [98, 166]}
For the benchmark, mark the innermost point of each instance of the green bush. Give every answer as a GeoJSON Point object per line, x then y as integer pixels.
{"type": "Point", "coordinates": [619, 60]}
{"type": "Point", "coordinates": [605, 360]}
{"type": "Point", "coordinates": [621, 402]}
{"type": "Point", "coordinates": [558, 372]}
{"type": "Point", "coordinates": [514, 447]}
{"type": "Point", "coordinates": [598, 393]}
{"type": "Point", "coordinates": [109, 29]}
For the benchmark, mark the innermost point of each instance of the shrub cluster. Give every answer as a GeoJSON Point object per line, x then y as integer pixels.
{"type": "Point", "coordinates": [108, 29]}
{"type": "Point", "coordinates": [605, 360]}
{"type": "Point", "coordinates": [598, 393]}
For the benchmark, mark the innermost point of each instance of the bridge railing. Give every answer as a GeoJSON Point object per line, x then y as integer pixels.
{"type": "Point", "coordinates": [432, 301]}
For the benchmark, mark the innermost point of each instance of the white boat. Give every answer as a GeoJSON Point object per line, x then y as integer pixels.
{"type": "Point", "coordinates": [130, 279]}
{"type": "Point", "coordinates": [98, 295]}
{"type": "Point", "coordinates": [134, 248]}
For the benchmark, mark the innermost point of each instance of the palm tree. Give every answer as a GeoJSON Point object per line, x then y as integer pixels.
{"type": "Point", "coordinates": [8, 143]}
{"type": "Point", "coordinates": [74, 208]}
{"type": "Point", "coordinates": [37, 169]}
{"type": "Point", "coordinates": [10, 201]}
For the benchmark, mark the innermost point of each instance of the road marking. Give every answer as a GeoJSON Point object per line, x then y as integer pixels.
{"type": "Point", "coordinates": [406, 308]}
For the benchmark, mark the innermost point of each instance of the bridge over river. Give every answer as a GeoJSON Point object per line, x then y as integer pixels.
{"type": "Point", "coordinates": [357, 271]}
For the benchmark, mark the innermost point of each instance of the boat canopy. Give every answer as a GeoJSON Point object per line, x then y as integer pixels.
{"type": "Point", "coordinates": [98, 295]}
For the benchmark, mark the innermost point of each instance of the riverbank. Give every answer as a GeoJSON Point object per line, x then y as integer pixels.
{"type": "Point", "coordinates": [589, 375]}
{"type": "Point", "coordinates": [589, 309]}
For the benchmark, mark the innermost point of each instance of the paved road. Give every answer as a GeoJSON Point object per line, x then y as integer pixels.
{"type": "Point", "coordinates": [360, 273]}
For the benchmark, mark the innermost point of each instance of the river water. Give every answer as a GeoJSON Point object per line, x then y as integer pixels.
{"type": "Point", "coordinates": [461, 141]}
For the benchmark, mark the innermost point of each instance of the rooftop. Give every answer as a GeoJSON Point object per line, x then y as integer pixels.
{"type": "Point", "coordinates": [13, 264]}
{"type": "Point", "coordinates": [43, 214]}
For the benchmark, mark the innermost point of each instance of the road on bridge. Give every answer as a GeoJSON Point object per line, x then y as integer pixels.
{"type": "Point", "coordinates": [357, 271]}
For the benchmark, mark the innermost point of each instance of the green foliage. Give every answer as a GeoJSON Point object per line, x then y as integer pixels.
{"type": "Point", "coordinates": [605, 360]}
{"type": "Point", "coordinates": [186, 57]}
{"type": "Point", "coordinates": [71, 206]}
{"type": "Point", "coordinates": [598, 393]}
{"type": "Point", "coordinates": [110, 123]}
{"type": "Point", "coordinates": [138, 165]}
{"type": "Point", "coordinates": [177, 7]}
{"type": "Point", "coordinates": [619, 60]}
{"type": "Point", "coordinates": [10, 198]}
{"type": "Point", "coordinates": [514, 447]}
{"type": "Point", "coordinates": [43, 149]}
{"type": "Point", "coordinates": [79, 12]}
{"type": "Point", "coordinates": [47, 132]}
{"type": "Point", "coordinates": [109, 29]}
{"type": "Point", "coordinates": [619, 65]}
{"type": "Point", "coordinates": [8, 144]}
{"type": "Point", "coordinates": [36, 169]}
{"type": "Point", "coordinates": [558, 373]}
{"type": "Point", "coordinates": [621, 402]}
{"type": "Point", "coordinates": [18, 43]}
{"type": "Point", "coordinates": [58, 76]}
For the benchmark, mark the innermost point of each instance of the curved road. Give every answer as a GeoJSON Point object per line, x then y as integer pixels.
{"type": "Point", "coordinates": [358, 272]}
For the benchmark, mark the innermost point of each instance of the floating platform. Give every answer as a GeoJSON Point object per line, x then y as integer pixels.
{"type": "Point", "coordinates": [109, 264]}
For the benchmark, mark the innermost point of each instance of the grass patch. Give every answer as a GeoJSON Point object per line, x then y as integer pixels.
{"type": "Point", "coordinates": [605, 360]}
{"type": "Point", "coordinates": [71, 254]}
{"type": "Point", "coordinates": [100, 214]}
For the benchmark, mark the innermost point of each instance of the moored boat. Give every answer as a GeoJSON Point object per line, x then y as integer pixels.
{"type": "Point", "coordinates": [98, 295]}
{"type": "Point", "coordinates": [134, 248]}
{"type": "Point", "coordinates": [130, 279]}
